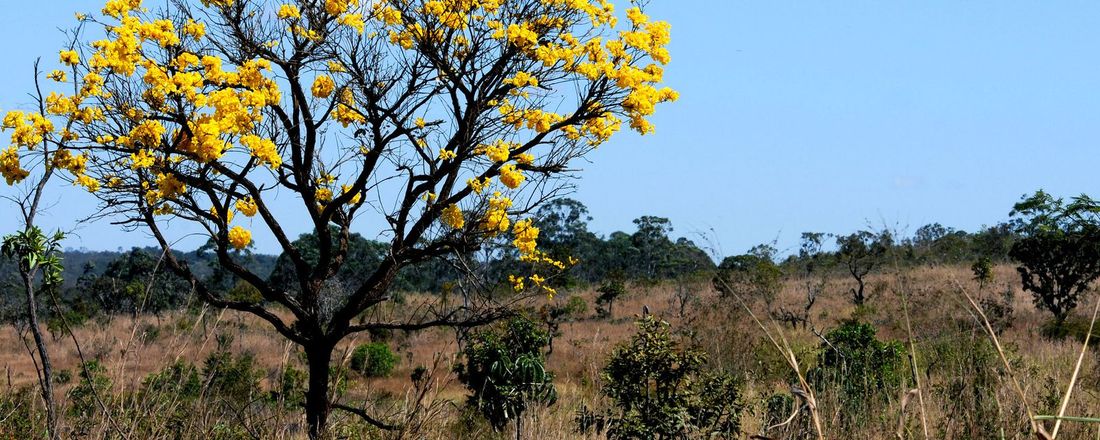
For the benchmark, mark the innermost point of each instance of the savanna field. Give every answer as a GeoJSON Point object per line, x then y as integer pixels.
{"type": "Point", "coordinates": [968, 391]}
{"type": "Point", "coordinates": [367, 219]}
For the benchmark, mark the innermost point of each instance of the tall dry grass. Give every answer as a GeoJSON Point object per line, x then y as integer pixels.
{"type": "Point", "coordinates": [966, 388]}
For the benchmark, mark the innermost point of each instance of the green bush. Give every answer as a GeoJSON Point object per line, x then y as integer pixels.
{"type": "Point", "coordinates": [505, 372]}
{"type": "Point", "coordinates": [83, 397]}
{"type": "Point", "coordinates": [660, 391]}
{"type": "Point", "coordinates": [859, 368]}
{"type": "Point", "coordinates": [234, 379]}
{"type": "Point", "coordinates": [373, 360]}
{"type": "Point", "coordinates": [180, 380]}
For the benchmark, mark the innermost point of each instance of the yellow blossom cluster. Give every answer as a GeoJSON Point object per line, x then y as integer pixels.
{"type": "Point", "coordinates": [247, 206]}
{"type": "Point", "coordinates": [239, 237]}
{"type": "Point", "coordinates": [9, 166]}
{"type": "Point", "coordinates": [526, 235]}
{"type": "Point", "coordinates": [288, 11]}
{"type": "Point", "coordinates": [498, 151]}
{"type": "Point", "coordinates": [511, 177]}
{"type": "Point", "coordinates": [479, 185]}
{"type": "Point", "coordinates": [496, 217]}
{"type": "Point", "coordinates": [452, 216]}
{"type": "Point", "coordinates": [323, 86]}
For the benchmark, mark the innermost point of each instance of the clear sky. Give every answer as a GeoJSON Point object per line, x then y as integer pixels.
{"type": "Point", "coordinates": [800, 116]}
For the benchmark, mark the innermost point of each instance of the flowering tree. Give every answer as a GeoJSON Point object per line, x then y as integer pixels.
{"type": "Point", "coordinates": [448, 120]}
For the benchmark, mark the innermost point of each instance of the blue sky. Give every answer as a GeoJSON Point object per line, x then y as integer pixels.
{"type": "Point", "coordinates": [801, 116]}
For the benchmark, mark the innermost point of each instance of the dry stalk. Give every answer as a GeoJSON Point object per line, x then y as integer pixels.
{"type": "Point", "coordinates": [1036, 427]}
{"type": "Point", "coordinates": [1076, 371]}
{"type": "Point", "coordinates": [806, 394]}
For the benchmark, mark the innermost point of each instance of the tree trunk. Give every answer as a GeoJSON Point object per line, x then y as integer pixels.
{"type": "Point", "coordinates": [858, 293]}
{"type": "Point", "coordinates": [46, 376]}
{"type": "Point", "coordinates": [317, 398]}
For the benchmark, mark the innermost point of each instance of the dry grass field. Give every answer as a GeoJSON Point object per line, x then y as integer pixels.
{"type": "Point", "coordinates": [966, 388]}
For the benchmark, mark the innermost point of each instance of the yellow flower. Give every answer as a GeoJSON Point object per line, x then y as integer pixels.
{"type": "Point", "coordinates": [337, 7]}
{"type": "Point", "coordinates": [287, 12]}
{"type": "Point", "coordinates": [9, 166]}
{"type": "Point", "coordinates": [194, 29]}
{"type": "Point", "coordinates": [355, 199]}
{"type": "Point", "coordinates": [247, 207]}
{"type": "Point", "coordinates": [263, 149]}
{"type": "Point", "coordinates": [479, 185]}
{"type": "Point", "coordinates": [517, 283]}
{"type": "Point", "coordinates": [214, 212]}
{"type": "Point", "coordinates": [511, 177]}
{"type": "Point", "coordinates": [141, 160]}
{"type": "Point", "coordinates": [354, 21]}
{"type": "Point", "coordinates": [323, 86]}
{"type": "Point", "coordinates": [447, 155]}
{"type": "Point", "coordinates": [88, 183]}
{"type": "Point", "coordinates": [526, 234]}
{"type": "Point", "coordinates": [169, 186]}
{"type": "Point", "coordinates": [522, 79]}
{"type": "Point", "coordinates": [70, 57]}
{"type": "Point", "coordinates": [58, 75]}
{"type": "Point", "coordinates": [452, 216]}
{"type": "Point", "coordinates": [496, 217]}
{"type": "Point", "coordinates": [239, 237]}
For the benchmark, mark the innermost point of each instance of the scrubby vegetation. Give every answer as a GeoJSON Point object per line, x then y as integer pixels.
{"type": "Point", "coordinates": [635, 353]}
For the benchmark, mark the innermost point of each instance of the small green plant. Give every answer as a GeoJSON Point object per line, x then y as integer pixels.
{"type": "Point", "coordinates": [180, 380]}
{"type": "Point", "coordinates": [93, 386]}
{"type": "Point", "coordinates": [235, 379]}
{"type": "Point", "coordinates": [609, 291]}
{"type": "Point", "coordinates": [983, 271]}
{"type": "Point", "coordinates": [660, 391]}
{"type": "Point", "coordinates": [857, 366]}
{"type": "Point", "coordinates": [373, 360]}
{"type": "Point", "coordinates": [505, 373]}
{"type": "Point", "coordinates": [292, 387]}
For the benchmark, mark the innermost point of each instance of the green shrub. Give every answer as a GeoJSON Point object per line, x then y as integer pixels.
{"type": "Point", "coordinates": [180, 380]}
{"type": "Point", "coordinates": [373, 360]}
{"type": "Point", "coordinates": [859, 368]}
{"type": "Point", "coordinates": [660, 391]}
{"type": "Point", "coordinates": [292, 388]}
{"type": "Point", "coordinates": [234, 379]}
{"type": "Point", "coordinates": [504, 371]}
{"type": "Point", "coordinates": [83, 397]}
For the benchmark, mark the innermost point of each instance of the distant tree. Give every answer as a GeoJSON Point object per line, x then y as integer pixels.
{"type": "Point", "coordinates": [1059, 249]}
{"type": "Point", "coordinates": [612, 288]}
{"type": "Point", "coordinates": [754, 275]}
{"type": "Point", "coordinates": [983, 271]}
{"type": "Point", "coordinates": [139, 281]}
{"type": "Point", "coordinates": [860, 253]}
{"type": "Point", "coordinates": [813, 271]}
{"type": "Point", "coordinates": [557, 312]}
{"type": "Point", "coordinates": [564, 234]}
{"type": "Point", "coordinates": [995, 241]}
{"type": "Point", "coordinates": [653, 244]}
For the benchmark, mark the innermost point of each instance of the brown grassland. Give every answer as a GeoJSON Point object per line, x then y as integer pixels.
{"type": "Point", "coordinates": [966, 387]}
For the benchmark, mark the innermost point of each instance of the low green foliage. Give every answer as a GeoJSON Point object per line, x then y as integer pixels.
{"type": "Point", "coordinates": [858, 368]}
{"type": "Point", "coordinates": [373, 360]}
{"type": "Point", "coordinates": [660, 391]}
{"type": "Point", "coordinates": [504, 371]}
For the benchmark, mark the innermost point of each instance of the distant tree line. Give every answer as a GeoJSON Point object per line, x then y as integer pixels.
{"type": "Point", "coordinates": [135, 281]}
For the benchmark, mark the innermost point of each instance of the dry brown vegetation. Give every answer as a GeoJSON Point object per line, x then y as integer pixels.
{"type": "Point", "coordinates": [966, 389]}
